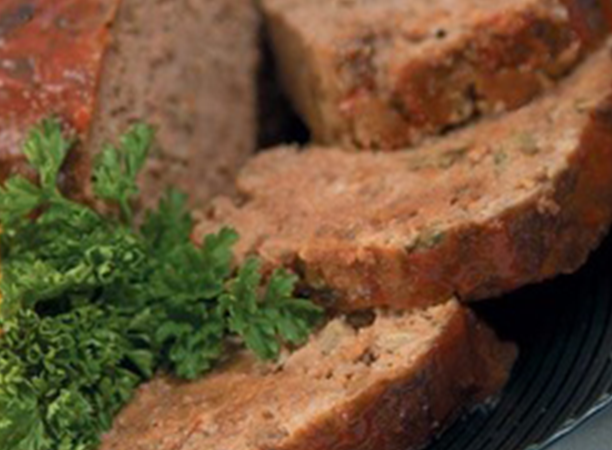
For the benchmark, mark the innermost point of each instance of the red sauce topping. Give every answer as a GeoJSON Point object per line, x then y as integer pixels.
{"type": "Point", "coordinates": [50, 59]}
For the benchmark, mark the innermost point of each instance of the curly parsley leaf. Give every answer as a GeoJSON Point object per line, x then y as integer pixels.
{"type": "Point", "coordinates": [293, 317]}
{"type": "Point", "coordinates": [63, 378]}
{"type": "Point", "coordinates": [266, 321]}
{"type": "Point", "coordinates": [68, 259]}
{"type": "Point", "coordinates": [170, 225]}
{"type": "Point", "coordinates": [117, 168]}
{"type": "Point", "coordinates": [46, 149]}
{"type": "Point", "coordinates": [190, 280]}
{"type": "Point", "coordinates": [191, 340]}
{"type": "Point", "coordinates": [18, 198]}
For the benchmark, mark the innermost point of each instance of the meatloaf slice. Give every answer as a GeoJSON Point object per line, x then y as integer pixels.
{"type": "Point", "coordinates": [384, 73]}
{"type": "Point", "coordinates": [50, 56]}
{"type": "Point", "coordinates": [513, 200]}
{"type": "Point", "coordinates": [189, 68]}
{"type": "Point", "coordinates": [389, 386]}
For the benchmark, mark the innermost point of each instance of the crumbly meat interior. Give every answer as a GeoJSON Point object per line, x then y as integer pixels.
{"type": "Point", "coordinates": [385, 74]}
{"type": "Point", "coordinates": [188, 68]}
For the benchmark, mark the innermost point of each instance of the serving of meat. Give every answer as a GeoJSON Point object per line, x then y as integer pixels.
{"type": "Point", "coordinates": [385, 73]}
{"type": "Point", "coordinates": [512, 200]}
{"type": "Point", "coordinates": [390, 385]}
{"type": "Point", "coordinates": [495, 121]}
{"type": "Point", "coordinates": [187, 68]}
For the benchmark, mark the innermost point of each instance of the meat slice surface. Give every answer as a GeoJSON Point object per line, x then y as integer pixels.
{"type": "Point", "coordinates": [189, 69]}
{"type": "Point", "coordinates": [388, 386]}
{"type": "Point", "coordinates": [510, 201]}
{"type": "Point", "coordinates": [186, 67]}
{"type": "Point", "coordinates": [386, 73]}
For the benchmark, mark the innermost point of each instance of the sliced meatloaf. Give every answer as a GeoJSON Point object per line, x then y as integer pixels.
{"type": "Point", "coordinates": [189, 68]}
{"type": "Point", "coordinates": [384, 73]}
{"type": "Point", "coordinates": [186, 67]}
{"type": "Point", "coordinates": [389, 386]}
{"type": "Point", "coordinates": [510, 201]}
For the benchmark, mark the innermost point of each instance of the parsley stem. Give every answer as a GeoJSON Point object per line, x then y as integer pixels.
{"type": "Point", "coordinates": [126, 212]}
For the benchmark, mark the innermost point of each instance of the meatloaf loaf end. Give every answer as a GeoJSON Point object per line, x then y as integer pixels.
{"type": "Point", "coordinates": [385, 73]}
{"type": "Point", "coordinates": [188, 68]}
{"type": "Point", "coordinates": [50, 56]}
{"type": "Point", "coordinates": [510, 201]}
{"type": "Point", "coordinates": [390, 386]}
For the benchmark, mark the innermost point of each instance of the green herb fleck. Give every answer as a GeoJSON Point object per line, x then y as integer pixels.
{"type": "Point", "coordinates": [117, 168]}
{"type": "Point", "coordinates": [500, 159]}
{"type": "Point", "coordinates": [451, 157]}
{"type": "Point", "coordinates": [527, 144]}
{"type": "Point", "coordinates": [426, 241]}
{"type": "Point", "coordinates": [583, 105]}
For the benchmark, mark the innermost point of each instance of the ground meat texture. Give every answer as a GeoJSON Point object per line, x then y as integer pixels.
{"type": "Point", "coordinates": [188, 68]}
{"type": "Point", "coordinates": [513, 200]}
{"type": "Point", "coordinates": [389, 386]}
{"type": "Point", "coordinates": [384, 74]}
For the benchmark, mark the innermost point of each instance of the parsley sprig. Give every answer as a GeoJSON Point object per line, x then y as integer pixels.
{"type": "Point", "coordinates": [93, 305]}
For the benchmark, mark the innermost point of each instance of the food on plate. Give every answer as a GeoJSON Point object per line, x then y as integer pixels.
{"type": "Point", "coordinates": [512, 200]}
{"type": "Point", "coordinates": [391, 384]}
{"type": "Point", "coordinates": [187, 67]}
{"type": "Point", "coordinates": [321, 302]}
{"type": "Point", "coordinates": [94, 305]}
{"type": "Point", "coordinates": [385, 73]}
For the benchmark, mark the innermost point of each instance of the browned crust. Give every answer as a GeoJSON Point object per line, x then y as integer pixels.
{"type": "Point", "coordinates": [501, 64]}
{"type": "Point", "coordinates": [607, 6]}
{"type": "Point", "coordinates": [550, 235]}
{"type": "Point", "coordinates": [467, 366]}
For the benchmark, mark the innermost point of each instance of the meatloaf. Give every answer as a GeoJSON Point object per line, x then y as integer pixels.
{"type": "Point", "coordinates": [389, 386]}
{"type": "Point", "coordinates": [385, 73]}
{"type": "Point", "coordinates": [186, 67]}
{"type": "Point", "coordinates": [512, 200]}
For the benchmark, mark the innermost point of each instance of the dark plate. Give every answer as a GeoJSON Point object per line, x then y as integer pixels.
{"type": "Point", "coordinates": [564, 373]}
